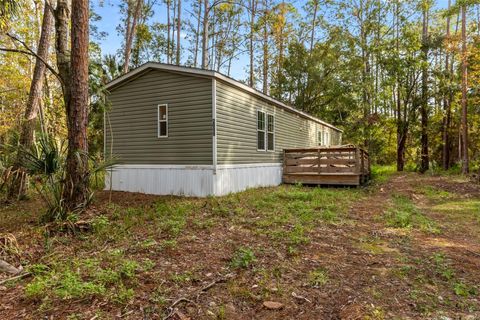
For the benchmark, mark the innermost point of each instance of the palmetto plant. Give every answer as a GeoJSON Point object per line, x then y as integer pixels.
{"type": "Point", "coordinates": [45, 164]}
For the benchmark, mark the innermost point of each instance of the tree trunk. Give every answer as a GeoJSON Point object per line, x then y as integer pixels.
{"type": "Point", "coordinates": [401, 134]}
{"type": "Point", "coordinates": [251, 78]}
{"type": "Point", "coordinates": [265, 48]}
{"type": "Point", "coordinates": [197, 35]}
{"type": "Point", "coordinates": [464, 123]}
{"type": "Point", "coordinates": [75, 191]}
{"type": "Point", "coordinates": [205, 36]}
{"type": "Point", "coordinates": [130, 34]}
{"type": "Point", "coordinates": [179, 28]}
{"type": "Point", "coordinates": [62, 17]}
{"type": "Point", "coordinates": [314, 21]}
{"type": "Point", "coordinates": [18, 188]}
{"type": "Point", "coordinates": [446, 104]}
{"type": "Point", "coordinates": [168, 33]}
{"type": "Point", "coordinates": [401, 144]}
{"type": "Point", "coordinates": [424, 108]}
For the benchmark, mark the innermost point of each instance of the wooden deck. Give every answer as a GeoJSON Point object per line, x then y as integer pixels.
{"type": "Point", "coordinates": [341, 165]}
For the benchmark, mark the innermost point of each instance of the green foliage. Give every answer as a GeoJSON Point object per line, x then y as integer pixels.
{"type": "Point", "coordinates": [111, 277]}
{"type": "Point", "coordinates": [171, 218]}
{"type": "Point", "coordinates": [243, 258]}
{"type": "Point", "coordinates": [66, 285]}
{"type": "Point", "coordinates": [124, 295]}
{"type": "Point", "coordinates": [380, 174]}
{"type": "Point", "coordinates": [183, 277]}
{"type": "Point", "coordinates": [463, 290]}
{"type": "Point", "coordinates": [100, 223]}
{"type": "Point", "coordinates": [404, 214]}
{"type": "Point", "coordinates": [318, 277]}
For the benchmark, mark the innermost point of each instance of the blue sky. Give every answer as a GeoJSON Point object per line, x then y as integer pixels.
{"type": "Point", "coordinates": [110, 13]}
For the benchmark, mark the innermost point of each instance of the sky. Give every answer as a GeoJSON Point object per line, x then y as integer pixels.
{"type": "Point", "coordinates": [110, 12]}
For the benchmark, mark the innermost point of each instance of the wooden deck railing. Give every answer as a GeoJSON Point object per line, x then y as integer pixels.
{"type": "Point", "coordinates": [333, 161]}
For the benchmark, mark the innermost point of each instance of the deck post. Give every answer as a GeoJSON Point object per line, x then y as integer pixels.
{"type": "Point", "coordinates": [318, 162]}
{"type": "Point", "coordinates": [362, 162]}
{"type": "Point", "coordinates": [357, 160]}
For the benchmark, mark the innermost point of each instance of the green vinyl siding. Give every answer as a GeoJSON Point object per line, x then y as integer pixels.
{"type": "Point", "coordinates": [134, 123]}
{"type": "Point", "coordinates": [237, 128]}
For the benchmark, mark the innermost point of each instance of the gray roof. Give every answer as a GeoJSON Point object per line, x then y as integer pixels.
{"type": "Point", "coordinates": [214, 75]}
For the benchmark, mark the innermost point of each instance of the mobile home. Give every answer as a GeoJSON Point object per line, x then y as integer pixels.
{"type": "Point", "coordinates": [186, 131]}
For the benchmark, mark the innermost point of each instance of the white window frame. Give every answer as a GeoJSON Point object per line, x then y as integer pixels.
{"type": "Point", "coordinates": [267, 132]}
{"type": "Point", "coordinates": [327, 138]}
{"type": "Point", "coordinates": [159, 120]}
{"type": "Point", "coordinates": [264, 129]}
{"type": "Point", "coordinates": [320, 137]}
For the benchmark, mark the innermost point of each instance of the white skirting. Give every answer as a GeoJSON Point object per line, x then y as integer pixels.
{"type": "Point", "coordinates": [236, 178]}
{"type": "Point", "coordinates": [197, 181]}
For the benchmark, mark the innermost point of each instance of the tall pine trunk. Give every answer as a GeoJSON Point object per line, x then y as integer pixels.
{"type": "Point", "coordinates": [424, 107]}
{"type": "Point", "coordinates": [446, 104]}
{"type": "Point", "coordinates": [179, 28]}
{"type": "Point", "coordinates": [197, 34]}
{"type": "Point", "coordinates": [205, 36]}
{"type": "Point", "coordinates": [314, 23]}
{"type": "Point", "coordinates": [131, 30]}
{"type": "Point", "coordinates": [401, 132]}
{"type": "Point", "coordinates": [464, 123]}
{"type": "Point", "coordinates": [76, 183]}
{"type": "Point", "coordinates": [168, 33]}
{"type": "Point", "coordinates": [251, 49]}
{"type": "Point", "coordinates": [18, 188]}
{"type": "Point", "coordinates": [265, 48]}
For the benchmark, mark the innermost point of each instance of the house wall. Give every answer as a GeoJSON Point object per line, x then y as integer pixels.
{"type": "Point", "coordinates": [183, 163]}
{"type": "Point", "coordinates": [236, 113]}
{"type": "Point", "coordinates": [134, 123]}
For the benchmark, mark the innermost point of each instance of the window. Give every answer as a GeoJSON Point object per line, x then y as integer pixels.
{"type": "Point", "coordinates": [327, 138]}
{"type": "Point", "coordinates": [320, 137]}
{"type": "Point", "coordinates": [162, 120]}
{"type": "Point", "coordinates": [261, 130]}
{"type": "Point", "coordinates": [270, 132]}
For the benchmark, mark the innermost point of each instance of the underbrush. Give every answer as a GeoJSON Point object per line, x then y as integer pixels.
{"type": "Point", "coordinates": [404, 214]}
{"type": "Point", "coordinates": [110, 277]}
{"type": "Point", "coordinates": [452, 204]}
{"type": "Point", "coordinates": [381, 174]}
{"type": "Point", "coordinates": [287, 214]}
{"type": "Point", "coordinates": [436, 273]}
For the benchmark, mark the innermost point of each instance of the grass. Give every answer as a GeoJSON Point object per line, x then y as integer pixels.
{"type": "Point", "coordinates": [451, 204]}
{"type": "Point", "coordinates": [111, 277]}
{"type": "Point", "coordinates": [405, 215]}
{"type": "Point", "coordinates": [265, 243]}
{"type": "Point", "coordinates": [318, 277]}
{"type": "Point", "coordinates": [468, 208]}
{"type": "Point", "coordinates": [435, 194]}
{"type": "Point", "coordinates": [243, 258]}
{"type": "Point", "coordinates": [381, 174]}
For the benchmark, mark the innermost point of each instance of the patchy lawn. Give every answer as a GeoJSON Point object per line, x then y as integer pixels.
{"type": "Point", "coordinates": [408, 246]}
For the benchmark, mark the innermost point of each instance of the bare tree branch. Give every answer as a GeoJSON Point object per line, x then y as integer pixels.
{"type": "Point", "coordinates": [30, 52]}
